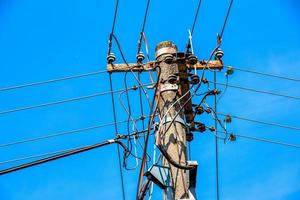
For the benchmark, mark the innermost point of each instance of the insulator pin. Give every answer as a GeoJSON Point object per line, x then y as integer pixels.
{"type": "Point", "coordinates": [111, 58]}
{"type": "Point", "coordinates": [192, 59]}
{"type": "Point", "coordinates": [195, 79]}
{"type": "Point", "coordinates": [140, 57]}
{"type": "Point", "coordinates": [169, 58]}
{"type": "Point", "coordinates": [219, 54]}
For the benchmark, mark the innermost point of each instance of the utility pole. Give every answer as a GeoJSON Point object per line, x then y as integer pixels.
{"type": "Point", "coordinates": [174, 139]}
{"type": "Point", "coordinates": [177, 116]}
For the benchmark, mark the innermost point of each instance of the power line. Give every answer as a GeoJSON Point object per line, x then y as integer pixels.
{"type": "Point", "coordinates": [258, 91]}
{"type": "Point", "coordinates": [189, 43]}
{"type": "Point", "coordinates": [64, 101]}
{"type": "Point", "coordinates": [216, 139]}
{"type": "Point", "coordinates": [113, 30]}
{"type": "Point", "coordinates": [264, 74]}
{"type": "Point", "coordinates": [51, 80]}
{"type": "Point", "coordinates": [262, 122]}
{"type": "Point", "coordinates": [196, 17]}
{"type": "Point", "coordinates": [226, 18]}
{"type": "Point", "coordinates": [116, 131]}
{"type": "Point", "coordinates": [265, 140]}
{"type": "Point", "coordinates": [143, 27]}
{"type": "Point", "coordinates": [13, 143]}
{"type": "Point", "coordinates": [59, 154]}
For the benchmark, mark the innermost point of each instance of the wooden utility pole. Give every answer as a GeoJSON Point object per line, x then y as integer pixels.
{"type": "Point", "coordinates": [174, 139]}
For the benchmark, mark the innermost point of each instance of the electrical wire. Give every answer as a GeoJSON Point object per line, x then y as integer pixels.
{"type": "Point", "coordinates": [62, 154]}
{"type": "Point", "coordinates": [113, 31]}
{"type": "Point", "coordinates": [258, 91]}
{"type": "Point", "coordinates": [265, 140]}
{"type": "Point", "coordinates": [216, 139]}
{"type": "Point", "coordinates": [152, 113]}
{"type": "Point", "coordinates": [58, 134]}
{"type": "Point", "coordinates": [129, 119]}
{"type": "Point", "coordinates": [51, 80]}
{"type": "Point", "coordinates": [116, 131]}
{"type": "Point", "coordinates": [226, 18]}
{"type": "Point", "coordinates": [264, 74]}
{"type": "Point", "coordinates": [63, 101]}
{"type": "Point", "coordinates": [143, 27]}
{"type": "Point", "coordinates": [262, 122]}
{"type": "Point", "coordinates": [189, 45]}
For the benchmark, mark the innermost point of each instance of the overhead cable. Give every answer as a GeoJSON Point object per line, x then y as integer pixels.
{"type": "Point", "coordinates": [258, 91]}
{"type": "Point", "coordinates": [264, 73]}
{"type": "Point", "coordinates": [52, 80]}
{"type": "Point", "coordinates": [262, 122]}
{"type": "Point", "coordinates": [265, 140]}
{"type": "Point", "coordinates": [64, 101]}
{"type": "Point", "coordinates": [61, 154]}
{"type": "Point", "coordinates": [58, 134]}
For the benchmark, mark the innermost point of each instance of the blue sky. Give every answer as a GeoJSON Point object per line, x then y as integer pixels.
{"type": "Point", "coordinates": [42, 40]}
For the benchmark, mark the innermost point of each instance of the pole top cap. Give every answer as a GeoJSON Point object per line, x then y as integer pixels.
{"type": "Point", "coordinates": [165, 47]}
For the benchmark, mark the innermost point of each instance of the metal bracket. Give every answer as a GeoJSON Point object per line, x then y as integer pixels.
{"type": "Point", "coordinates": [170, 119]}
{"type": "Point", "coordinates": [168, 87]}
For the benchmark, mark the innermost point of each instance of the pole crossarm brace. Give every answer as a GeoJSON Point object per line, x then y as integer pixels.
{"type": "Point", "coordinates": [150, 66]}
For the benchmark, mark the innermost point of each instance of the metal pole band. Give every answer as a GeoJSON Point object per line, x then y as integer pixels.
{"type": "Point", "coordinates": [165, 47]}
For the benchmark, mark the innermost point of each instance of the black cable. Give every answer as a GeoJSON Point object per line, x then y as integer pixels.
{"type": "Point", "coordinates": [264, 74]}
{"type": "Point", "coordinates": [62, 101]}
{"type": "Point", "coordinates": [152, 113]}
{"type": "Point", "coordinates": [216, 140]}
{"type": "Point", "coordinates": [62, 155]}
{"type": "Point", "coordinates": [135, 134]}
{"type": "Point", "coordinates": [113, 27]}
{"type": "Point", "coordinates": [258, 91]}
{"type": "Point", "coordinates": [143, 27]}
{"type": "Point", "coordinates": [196, 16]}
{"type": "Point", "coordinates": [172, 161]}
{"type": "Point", "coordinates": [265, 140]}
{"type": "Point", "coordinates": [116, 131]}
{"type": "Point", "coordinates": [51, 81]}
{"type": "Point", "coordinates": [262, 122]}
{"type": "Point", "coordinates": [141, 104]}
{"type": "Point", "coordinates": [224, 90]}
{"type": "Point", "coordinates": [225, 21]}
{"type": "Point", "coordinates": [188, 46]}
{"type": "Point", "coordinates": [125, 61]}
